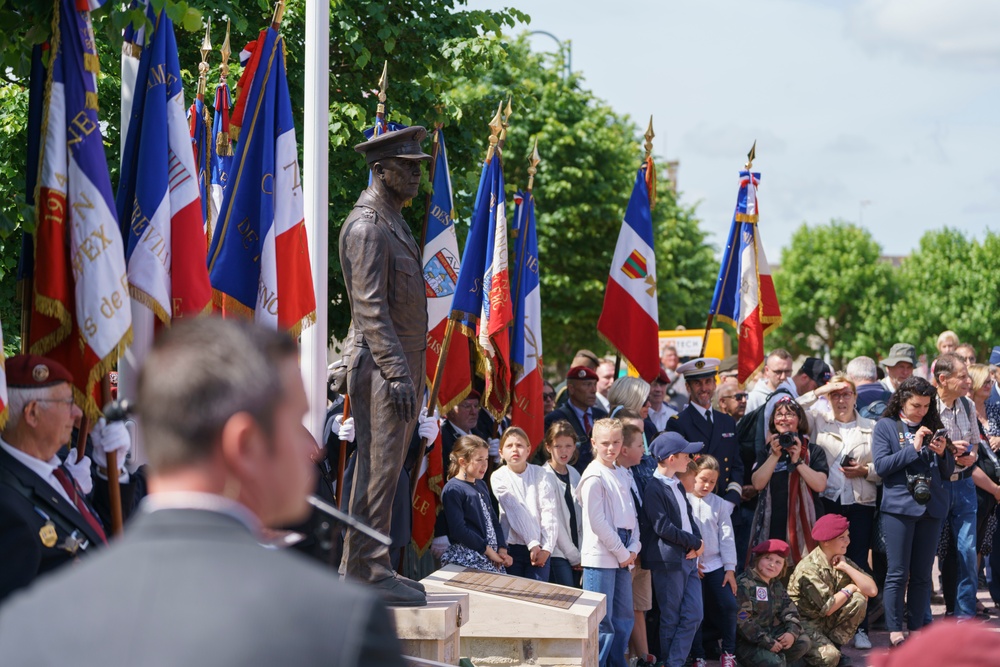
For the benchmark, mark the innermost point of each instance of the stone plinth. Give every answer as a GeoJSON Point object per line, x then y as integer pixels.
{"type": "Point", "coordinates": [432, 632]}
{"type": "Point", "coordinates": [514, 621]}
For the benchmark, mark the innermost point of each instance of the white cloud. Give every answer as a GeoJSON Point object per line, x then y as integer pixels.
{"type": "Point", "coordinates": [962, 32]}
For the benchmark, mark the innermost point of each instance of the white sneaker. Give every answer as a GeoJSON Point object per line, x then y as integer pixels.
{"type": "Point", "coordinates": [699, 662]}
{"type": "Point", "coordinates": [861, 640]}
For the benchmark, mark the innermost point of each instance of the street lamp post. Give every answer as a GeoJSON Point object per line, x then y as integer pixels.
{"type": "Point", "coordinates": [565, 49]}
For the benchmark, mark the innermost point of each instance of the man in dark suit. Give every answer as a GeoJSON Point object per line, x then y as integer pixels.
{"type": "Point", "coordinates": [579, 410]}
{"type": "Point", "coordinates": [46, 519]}
{"type": "Point", "coordinates": [699, 422]}
{"type": "Point", "coordinates": [221, 405]}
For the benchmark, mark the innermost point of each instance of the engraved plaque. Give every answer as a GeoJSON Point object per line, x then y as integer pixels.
{"type": "Point", "coordinates": [518, 588]}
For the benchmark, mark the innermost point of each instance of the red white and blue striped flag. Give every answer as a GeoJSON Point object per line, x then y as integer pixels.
{"type": "Point", "coordinates": [482, 294]}
{"type": "Point", "coordinates": [526, 346]}
{"type": "Point", "coordinates": [80, 315]}
{"type": "Point", "coordinates": [259, 260]}
{"type": "Point", "coordinates": [744, 294]}
{"type": "Point", "coordinates": [630, 318]}
{"type": "Point", "coordinates": [159, 199]}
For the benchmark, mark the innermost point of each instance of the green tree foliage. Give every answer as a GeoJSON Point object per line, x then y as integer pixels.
{"type": "Point", "coordinates": [833, 287]}
{"type": "Point", "coordinates": [950, 282]}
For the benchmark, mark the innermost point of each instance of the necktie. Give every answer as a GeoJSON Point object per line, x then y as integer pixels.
{"type": "Point", "coordinates": [81, 506]}
{"type": "Point", "coordinates": [586, 422]}
{"type": "Point", "coordinates": [708, 417]}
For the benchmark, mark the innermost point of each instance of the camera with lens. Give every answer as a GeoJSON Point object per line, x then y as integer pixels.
{"type": "Point", "coordinates": [919, 487]}
{"type": "Point", "coordinates": [786, 440]}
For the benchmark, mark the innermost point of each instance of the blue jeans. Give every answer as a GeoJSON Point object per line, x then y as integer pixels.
{"type": "Point", "coordinates": [678, 594]}
{"type": "Point", "coordinates": [561, 572]}
{"type": "Point", "coordinates": [963, 529]}
{"type": "Point", "coordinates": [911, 544]}
{"type": "Point", "coordinates": [720, 608]}
{"type": "Point", "coordinates": [616, 626]}
{"type": "Point", "coordinates": [522, 566]}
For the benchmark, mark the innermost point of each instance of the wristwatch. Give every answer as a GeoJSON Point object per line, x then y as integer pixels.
{"type": "Point", "coordinates": [796, 464]}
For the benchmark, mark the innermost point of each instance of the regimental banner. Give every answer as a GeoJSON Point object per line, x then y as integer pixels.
{"type": "Point", "coordinates": [441, 266]}
{"type": "Point", "coordinates": [629, 320]}
{"type": "Point", "coordinates": [526, 345]}
{"type": "Point", "coordinates": [222, 153]}
{"type": "Point", "coordinates": [202, 145]}
{"type": "Point", "coordinates": [259, 259]}
{"type": "Point", "coordinates": [744, 293]}
{"type": "Point", "coordinates": [159, 196]}
{"type": "Point", "coordinates": [80, 315]}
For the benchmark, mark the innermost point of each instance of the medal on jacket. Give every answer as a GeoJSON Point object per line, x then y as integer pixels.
{"type": "Point", "coordinates": [47, 533]}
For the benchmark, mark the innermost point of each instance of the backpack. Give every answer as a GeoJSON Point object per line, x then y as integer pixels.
{"type": "Point", "coordinates": [750, 429]}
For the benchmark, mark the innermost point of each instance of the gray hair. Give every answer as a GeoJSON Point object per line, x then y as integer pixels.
{"type": "Point", "coordinates": [18, 399]}
{"type": "Point", "coordinates": [628, 392]}
{"type": "Point", "coordinates": [862, 369]}
{"type": "Point", "coordinates": [198, 375]}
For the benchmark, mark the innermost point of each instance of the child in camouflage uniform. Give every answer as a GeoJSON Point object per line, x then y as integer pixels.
{"type": "Point", "coordinates": [768, 629]}
{"type": "Point", "coordinates": [831, 593]}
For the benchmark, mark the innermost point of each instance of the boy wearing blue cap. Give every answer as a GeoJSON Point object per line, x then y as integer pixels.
{"type": "Point", "coordinates": [671, 549]}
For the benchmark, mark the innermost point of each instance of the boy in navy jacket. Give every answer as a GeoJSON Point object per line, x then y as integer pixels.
{"type": "Point", "coordinates": [671, 547]}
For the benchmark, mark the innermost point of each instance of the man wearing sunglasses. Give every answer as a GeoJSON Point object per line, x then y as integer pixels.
{"type": "Point", "coordinates": [731, 400]}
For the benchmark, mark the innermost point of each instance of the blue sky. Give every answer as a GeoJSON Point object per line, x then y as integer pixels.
{"type": "Point", "coordinates": [891, 102]}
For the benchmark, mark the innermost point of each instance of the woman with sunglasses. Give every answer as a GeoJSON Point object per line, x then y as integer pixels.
{"type": "Point", "coordinates": [846, 439]}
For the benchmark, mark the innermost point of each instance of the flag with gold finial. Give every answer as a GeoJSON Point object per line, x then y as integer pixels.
{"type": "Point", "coordinates": [744, 293]}
{"type": "Point", "coordinates": [80, 312]}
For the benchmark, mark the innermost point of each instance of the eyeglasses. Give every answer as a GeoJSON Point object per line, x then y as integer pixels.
{"type": "Point", "coordinates": [548, 397]}
{"type": "Point", "coordinates": [64, 401]}
{"type": "Point", "coordinates": [968, 360]}
{"type": "Point", "coordinates": [741, 396]}
{"type": "Point", "coordinates": [783, 372]}
{"type": "Point", "coordinates": [842, 395]}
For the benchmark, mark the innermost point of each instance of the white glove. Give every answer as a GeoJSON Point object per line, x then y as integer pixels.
{"type": "Point", "coordinates": [428, 428]}
{"type": "Point", "coordinates": [80, 471]}
{"type": "Point", "coordinates": [494, 444]}
{"type": "Point", "coordinates": [111, 437]}
{"type": "Point", "coordinates": [343, 428]}
{"type": "Point", "coordinates": [439, 545]}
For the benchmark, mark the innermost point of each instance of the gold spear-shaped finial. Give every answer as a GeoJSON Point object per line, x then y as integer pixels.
{"type": "Point", "coordinates": [225, 52]}
{"type": "Point", "coordinates": [279, 13]}
{"type": "Point", "coordinates": [383, 85]}
{"type": "Point", "coordinates": [206, 48]}
{"type": "Point", "coordinates": [533, 161]}
{"type": "Point", "coordinates": [751, 155]}
{"type": "Point", "coordinates": [649, 138]}
{"type": "Point", "coordinates": [506, 124]}
{"type": "Point", "coordinates": [496, 127]}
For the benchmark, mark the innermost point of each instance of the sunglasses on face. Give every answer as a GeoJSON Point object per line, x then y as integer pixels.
{"type": "Point", "coordinates": [741, 396]}
{"type": "Point", "coordinates": [548, 397]}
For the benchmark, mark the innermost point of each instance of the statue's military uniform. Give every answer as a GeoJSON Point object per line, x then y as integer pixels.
{"type": "Point", "coordinates": [813, 588]}
{"type": "Point", "coordinates": [381, 266]}
{"type": "Point", "coordinates": [765, 613]}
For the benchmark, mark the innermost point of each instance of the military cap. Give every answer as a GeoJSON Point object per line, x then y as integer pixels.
{"type": "Point", "coordinates": [671, 442]}
{"type": "Point", "coordinates": [31, 371]}
{"type": "Point", "coordinates": [829, 527]}
{"type": "Point", "coordinates": [773, 546]}
{"type": "Point", "coordinates": [699, 368]}
{"type": "Point", "coordinates": [403, 143]}
{"type": "Point", "coordinates": [581, 373]}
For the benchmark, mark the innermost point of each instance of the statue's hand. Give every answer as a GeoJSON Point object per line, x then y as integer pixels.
{"type": "Point", "coordinates": [404, 398]}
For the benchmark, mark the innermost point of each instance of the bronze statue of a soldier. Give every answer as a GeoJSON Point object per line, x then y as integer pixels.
{"type": "Point", "coordinates": [381, 264]}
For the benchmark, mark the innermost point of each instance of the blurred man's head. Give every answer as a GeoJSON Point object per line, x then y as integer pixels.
{"type": "Point", "coordinates": [222, 403]}
{"type": "Point", "coordinates": [41, 411]}
{"type": "Point", "coordinates": [465, 414]}
{"type": "Point", "coordinates": [862, 371]}
{"type": "Point", "coordinates": [605, 377]}
{"type": "Point", "coordinates": [581, 385]}
{"type": "Point", "coordinates": [731, 399]}
{"type": "Point", "coordinates": [777, 368]}
{"type": "Point", "coordinates": [669, 359]}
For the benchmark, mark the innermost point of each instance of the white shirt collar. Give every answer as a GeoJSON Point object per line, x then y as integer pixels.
{"type": "Point", "coordinates": [702, 411]}
{"type": "Point", "coordinates": [44, 469]}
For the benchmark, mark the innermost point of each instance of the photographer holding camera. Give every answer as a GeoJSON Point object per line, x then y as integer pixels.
{"type": "Point", "coordinates": [911, 455]}
{"type": "Point", "coordinates": [789, 474]}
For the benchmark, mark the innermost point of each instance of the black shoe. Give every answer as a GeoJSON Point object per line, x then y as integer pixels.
{"type": "Point", "coordinates": [406, 581]}
{"type": "Point", "coordinates": [397, 594]}
{"type": "Point", "coordinates": [845, 661]}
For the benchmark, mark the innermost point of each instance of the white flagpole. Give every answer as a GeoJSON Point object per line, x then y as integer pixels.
{"type": "Point", "coordinates": [316, 190]}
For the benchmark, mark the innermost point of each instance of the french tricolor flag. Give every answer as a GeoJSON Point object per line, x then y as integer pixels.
{"type": "Point", "coordinates": [159, 199]}
{"type": "Point", "coordinates": [259, 258]}
{"type": "Point", "coordinates": [630, 318]}
{"type": "Point", "coordinates": [526, 346]}
{"type": "Point", "coordinates": [744, 294]}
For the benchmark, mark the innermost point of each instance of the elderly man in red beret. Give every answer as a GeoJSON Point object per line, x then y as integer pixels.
{"type": "Point", "coordinates": [831, 592]}
{"type": "Point", "coordinates": [579, 410]}
{"type": "Point", "coordinates": [46, 519]}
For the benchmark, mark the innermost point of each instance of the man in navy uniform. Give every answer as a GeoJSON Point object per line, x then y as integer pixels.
{"type": "Point", "coordinates": [46, 519]}
{"type": "Point", "coordinates": [698, 422]}
{"type": "Point", "coordinates": [579, 410]}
